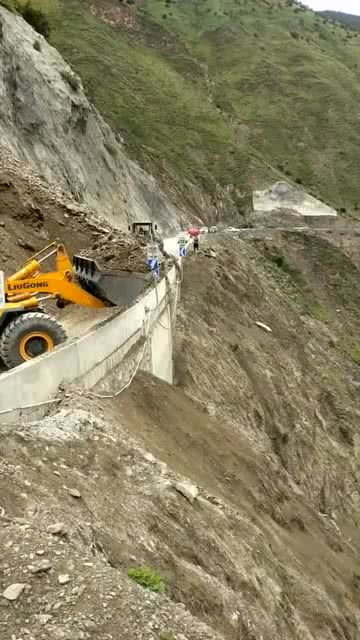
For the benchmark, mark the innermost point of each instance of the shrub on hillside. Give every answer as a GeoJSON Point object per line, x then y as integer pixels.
{"type": "Point", "coordinates": [71, 79]}
{"type": "Point", "coordinates": [148, 578]}
{"type": "Point", "coordinates": [36, 18]}
{"type": "Point", "coordinates": [8, 4]}
{"type": "Point", "coordinates": [354, 352]}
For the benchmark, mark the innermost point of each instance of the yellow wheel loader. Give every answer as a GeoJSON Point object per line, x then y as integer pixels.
{"type": "Point", "coordinates": [26, 330]}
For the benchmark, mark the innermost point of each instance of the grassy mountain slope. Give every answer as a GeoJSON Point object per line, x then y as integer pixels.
{"type": "Point", "coordinates": [348, 19]}
{"type": "Point", "coordinates": [212, 93]}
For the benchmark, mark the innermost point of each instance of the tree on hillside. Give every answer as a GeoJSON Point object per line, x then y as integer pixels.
{"type": "Point", "coordinates": [36, 18]}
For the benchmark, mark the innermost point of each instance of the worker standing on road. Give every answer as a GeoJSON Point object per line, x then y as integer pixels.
{"type": "Point", "coordinates": [196, 243]}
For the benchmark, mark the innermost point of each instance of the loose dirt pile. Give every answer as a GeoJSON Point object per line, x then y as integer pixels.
{"type": "Point", "coordinates": [33, 214]}
{"type": "Point", "coordinates": [118, 251]}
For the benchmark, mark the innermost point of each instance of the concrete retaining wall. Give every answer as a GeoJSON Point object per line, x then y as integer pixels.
{"type": "Point", "coordinates": [161, 347]}
{"type": "Point", "coordinates": [90, 358]}
{"type": "Point", "coordinates": [138, 356]}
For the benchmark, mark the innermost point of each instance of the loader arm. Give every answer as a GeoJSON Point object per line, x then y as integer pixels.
{"type": "Point", "coordinates": [52, 283]}
{"type": "Point", "coordinates": [80, 282]}
{"type": "Point", "coordinates": [30, 280]}
{"type": "Point", "coordinates": [26, 329]}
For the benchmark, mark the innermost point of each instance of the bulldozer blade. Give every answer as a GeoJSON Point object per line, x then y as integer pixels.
{"type": "Point", "coordinates": [114, 287]}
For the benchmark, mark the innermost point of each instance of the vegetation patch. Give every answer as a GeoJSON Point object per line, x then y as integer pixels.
{"type": "Point", "coordinates": [319, 312]}
{"type": "Point", "coordinates": [354, 352]}
{"type": "Point", "coordinates": [37, 18]}
{"type": "Point", "coordinates": [351, 348]}
{"type": "Point", "coordinates": [203, 100]}
{"type": "Point", "coordinates": [8, 4]}
{"type": "Point", "coordinates": [71, 79]}
{"type": "Point", "coordinates": [148, 578]}
{"type": "Point", "coordinates": [283, 264]}
{"type": "Point", "coordinates": [342, 19]}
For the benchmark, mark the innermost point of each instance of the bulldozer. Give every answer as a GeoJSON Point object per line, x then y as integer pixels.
{"type": "Point", "coordinates": [26, 329]}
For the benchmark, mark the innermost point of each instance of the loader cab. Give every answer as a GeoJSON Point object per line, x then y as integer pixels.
{"type": "Point", "coordinates": [145, 230]}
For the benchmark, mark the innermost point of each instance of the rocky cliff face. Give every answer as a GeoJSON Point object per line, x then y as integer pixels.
{"type": "Point", "coordinates": [47, 122]}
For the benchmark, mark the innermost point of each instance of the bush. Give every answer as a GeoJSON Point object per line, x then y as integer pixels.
{"type": "Point", "coordinates": [8, 4]}
{"type": "Point", "coordinates": [355, 353]}
{"type": "Point", "coordinates": [352, 349]}
{"type": "Point", "coordinates": [37, 45]}
{"type": "Point", "coordinates": [148, 578]}
{"type": "Point", "coordinates": [278, 260]}
{"type": "Point", "coordinates": [319, 312]}
{"type": "Point", "coordinates": [72, 80]}
{"type": "Point", "coordinates": [36, 18]}
{"type": "Point", "coordinates": [282, 264]}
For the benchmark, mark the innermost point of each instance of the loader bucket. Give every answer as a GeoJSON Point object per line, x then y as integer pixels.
{"type": "Point", "coordinates": [115, 287]}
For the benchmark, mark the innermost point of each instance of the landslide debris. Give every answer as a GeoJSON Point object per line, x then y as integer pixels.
{"type": "Point", "coordinates": [237, 485]}
{"type": "Point", "coordinates": [294, 390]}
{"type": "Point", "coordinates": [33, 214]}
{"type": "Point", "coordinates": [119, 251]}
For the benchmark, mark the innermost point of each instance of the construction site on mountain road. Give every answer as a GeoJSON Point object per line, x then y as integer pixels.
{"type": "Point", "coordinates": [179, 320]}
{"type": "Point", "coordinates": [234, 437]}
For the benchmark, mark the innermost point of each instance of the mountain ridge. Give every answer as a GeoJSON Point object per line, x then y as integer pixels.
{"type": "Point", "coordinates": [216, 99]}
{"type": "Point", "coordinates": [349, 19]}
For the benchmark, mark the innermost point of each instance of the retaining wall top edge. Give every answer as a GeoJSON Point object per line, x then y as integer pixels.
{"type": "Point", "coordinates": [31, 364]}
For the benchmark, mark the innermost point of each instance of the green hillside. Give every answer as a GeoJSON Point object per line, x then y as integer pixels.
{"type": "Point", "coordinates": [222, 92]}
{"type": "Point", "coordinates": [349, 20]}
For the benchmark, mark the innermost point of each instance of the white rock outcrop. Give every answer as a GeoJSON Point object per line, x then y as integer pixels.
{"type": "Point", "coordinates": [47, 122]}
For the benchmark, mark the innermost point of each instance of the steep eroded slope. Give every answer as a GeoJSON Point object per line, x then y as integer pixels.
{"type": "Point", "coordinates": [47, 123]}
{"type": "Point", "coordinates": [269, 547]}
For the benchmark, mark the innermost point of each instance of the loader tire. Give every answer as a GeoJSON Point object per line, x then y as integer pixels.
{"type": "Point", "coordinates": [29, 336]}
